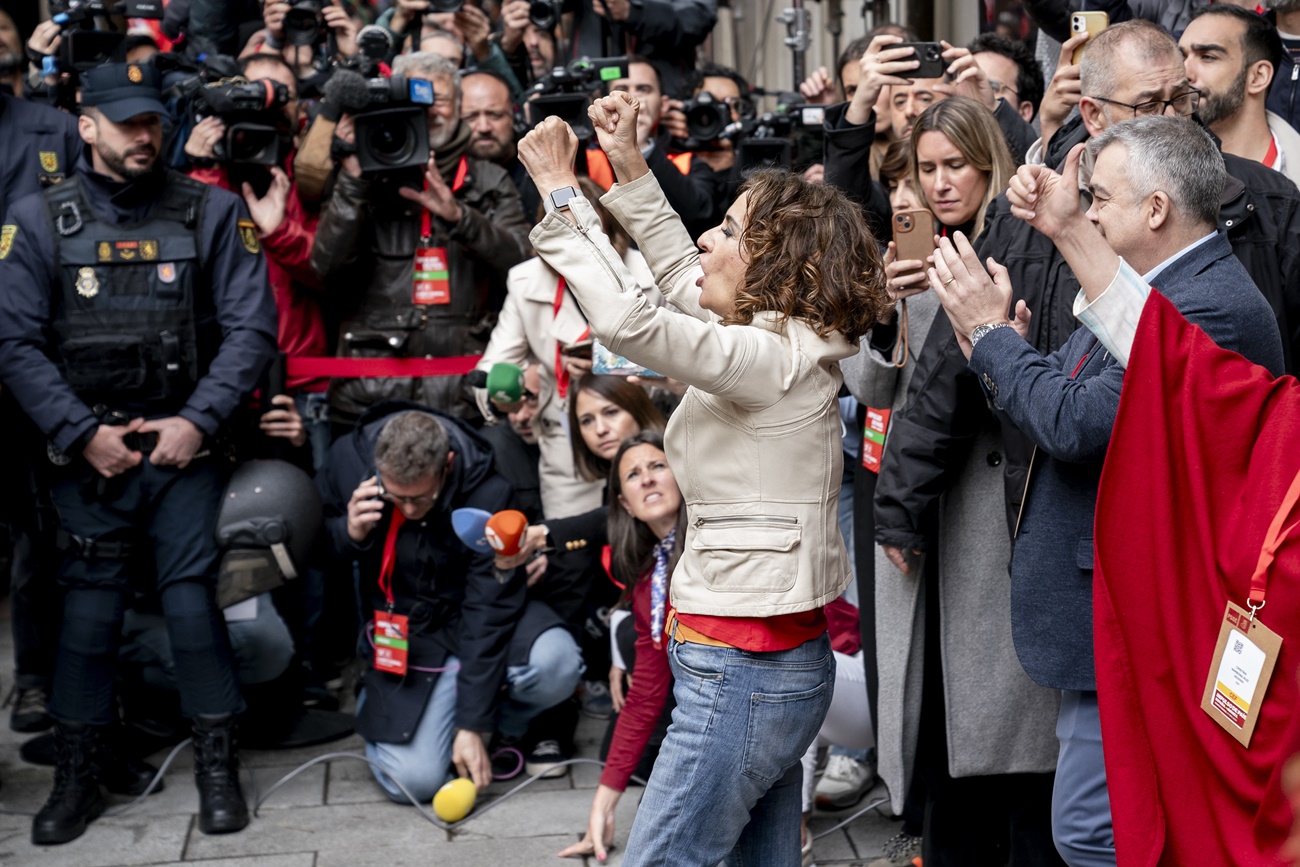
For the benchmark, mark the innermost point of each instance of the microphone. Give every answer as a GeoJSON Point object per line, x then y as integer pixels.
{"type": "Point", "coordinates": [504, 531]}
{"type": "Point", "coordinates": [487, 533]}
{"type": "Point", "coordinates": [346, 92]}
{"type": "Point", "coordinates": [504, 382]}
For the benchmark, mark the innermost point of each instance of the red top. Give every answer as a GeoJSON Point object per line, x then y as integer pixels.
{"type": "Point", "coordinates": [294, 283]}
{"type": "Point", "coordinates": [651, 681]}
{"type": "Point", "coordinates": [760, 634]}
{"type": "Point", "coordinates": [1201, 456]}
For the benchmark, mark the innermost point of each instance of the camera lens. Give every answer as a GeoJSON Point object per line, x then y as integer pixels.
{"type": "Point", "coordinates": [541, 13]}
{"type": "Point", "coordinates": [302, 24]}
{"type": "Point", "coordinates": [389, 141]}
{"type": "Point", "coordinates": [251, 143]}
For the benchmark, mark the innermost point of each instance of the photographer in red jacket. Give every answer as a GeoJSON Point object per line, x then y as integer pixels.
{"type": "Point", "coordinates": [284, 229]}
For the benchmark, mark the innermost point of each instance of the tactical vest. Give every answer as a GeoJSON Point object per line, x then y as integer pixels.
{"type": "Point", "coordinates": [133, 320]}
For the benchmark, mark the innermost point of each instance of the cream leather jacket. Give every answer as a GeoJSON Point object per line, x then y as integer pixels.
{"type": "Point", "coordinates": [755, 444]}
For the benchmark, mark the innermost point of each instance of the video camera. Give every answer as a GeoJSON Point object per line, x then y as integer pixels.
{"type": "Point", "coordinates": [765, 140]}
{"type": "Point", "coordinates": [256, 131]}
{"type": "Point", "coordinates": [84, 45]}
{"type": "Point", "coordinates": [566, 92]}
{"type": "Point", "coordinates": [392, 129]}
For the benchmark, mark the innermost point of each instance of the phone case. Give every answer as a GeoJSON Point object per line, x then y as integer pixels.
{"type": "Point", "coordinates": [605, 362]}
{"type": "Point", "coordinates": [913, 234]}
{"type": "Point", "coordinates": [931, 56]}
{"type": "Point", "coordinates": [1093, 22]}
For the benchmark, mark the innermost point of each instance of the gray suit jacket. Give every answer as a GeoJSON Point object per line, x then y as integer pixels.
{"type": "Point", "coordinates": [1066, 403]}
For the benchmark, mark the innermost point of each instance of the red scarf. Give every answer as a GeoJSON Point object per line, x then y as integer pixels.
{"type": "Point", "coordinates": [1203, 451]}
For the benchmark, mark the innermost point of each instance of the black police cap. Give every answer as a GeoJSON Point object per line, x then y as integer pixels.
{"type": "Point", "coordinates": [123, 90]}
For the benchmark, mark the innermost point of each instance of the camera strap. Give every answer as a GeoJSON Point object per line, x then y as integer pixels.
{"type": "Point", "coordinates": [432, 273]}
{"type": "Point", "coordinates": [562, 372]}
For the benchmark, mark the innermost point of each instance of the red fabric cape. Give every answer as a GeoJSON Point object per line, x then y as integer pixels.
{"type": "Point", "coordinates": [1203, 451]}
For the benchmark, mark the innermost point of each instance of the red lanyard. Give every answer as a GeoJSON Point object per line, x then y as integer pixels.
{"type": "Point", "coordinates": [1271, 157]}
{"type": "Point", "coordinates": [390, 556]}
{"type": "Point", "coordinates": [1272, 541]}
{"type": "Point", "coordinates": [561, 372]}
{"type": "Point", "coordinates": [462, 172]}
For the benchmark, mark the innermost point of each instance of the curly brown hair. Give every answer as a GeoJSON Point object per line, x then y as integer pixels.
{"type": "Point", "coordinates": [810, 256]}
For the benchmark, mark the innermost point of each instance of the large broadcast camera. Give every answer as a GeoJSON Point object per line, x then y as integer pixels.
{"type": "Point", "coordinates": [256, 132]}
{"type": "Point", "coordinates": [566, 92]}
{"type": "Point", "coordinates": [767, 139]}
{"type": "Point", "coordinates": [393, 128]}
{"type": "Point", "coordinates": [86, 46]}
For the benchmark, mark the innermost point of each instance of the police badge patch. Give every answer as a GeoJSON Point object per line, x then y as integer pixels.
{"type": "Point", "coordinates": [49, 161]}
{"type": "Point", "coordinates": [134, 74]}
{"type": "Point", "coordinates": [7, 235]}
{"type": "Point", "coordinates": [149, 250]}
{"type": "Point", "coordinates": [87, 283]}
{"type": "Point", "coordinates": [248, 234]}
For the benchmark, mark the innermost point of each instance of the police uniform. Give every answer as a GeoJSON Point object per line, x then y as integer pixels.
{"type": "Point", "coordinates": [42, 146]}
{"type": "Point", "coordinates": [133, 299]}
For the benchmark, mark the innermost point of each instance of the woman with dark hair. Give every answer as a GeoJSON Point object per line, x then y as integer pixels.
{"type": "Point", "coordinates": [758, 319]}
{"type": "Point", "coordinates": [605, 411]}
{"type": "Point", "coordinates": [647, 525]}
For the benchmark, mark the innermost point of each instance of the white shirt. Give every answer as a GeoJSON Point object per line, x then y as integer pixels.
{"type": "Point", "coordinates": [1113, 316]}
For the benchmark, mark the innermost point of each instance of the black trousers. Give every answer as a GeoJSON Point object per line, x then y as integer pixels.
{"type": "Point", "coordinates": [987, 821]}
{"type": "Point", "coordinates": [167, 517]}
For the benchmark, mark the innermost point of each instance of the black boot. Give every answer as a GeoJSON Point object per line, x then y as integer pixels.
{"type": "Point", "coordinates": [121, 772]}
{"type": "Point", "coordinates": [216, 772]}
{"type": "Point", "coordinates": [76, 799]}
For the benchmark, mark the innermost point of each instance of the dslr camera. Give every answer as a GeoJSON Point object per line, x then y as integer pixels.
{"type": "Point", "coordinates": [256, 132]}
{"type": "Point", "coordinates": [545, 14]}
{"type": "Point", "coordinates": [566, 92]}
{"type": "Point", "coordinates": [304, 23]}
{"type": "Point", "coordinates": [392, 130]}
{"type": "Point", "coordinates": [766, 140]}
{"type": "Point", "coordinates": [85, 45]}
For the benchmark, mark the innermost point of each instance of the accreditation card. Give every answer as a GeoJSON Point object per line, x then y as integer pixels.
{"type": "Point", "coordinates": [1239, 672]}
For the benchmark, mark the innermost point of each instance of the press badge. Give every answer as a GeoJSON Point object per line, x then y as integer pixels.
{"type": "Point", "coordinates": [432, 279]}
{"type": "Point", "coordinates": [873, 438]}
{"type": "Point", "coordinates": [1239, 672]}
{"type": "Point", "coordinates": [391, 642]}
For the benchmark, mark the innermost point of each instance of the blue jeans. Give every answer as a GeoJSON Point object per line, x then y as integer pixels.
{"type": "Point", "coordinates": [727, 780]}
{"type": "Point", "coordinates": [422, 764]}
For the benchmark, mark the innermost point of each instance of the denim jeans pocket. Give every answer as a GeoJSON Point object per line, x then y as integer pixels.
{"type": "Point", "coordinates": [779, 729]}
{"type": "Point", "coordinates": [700, 660]}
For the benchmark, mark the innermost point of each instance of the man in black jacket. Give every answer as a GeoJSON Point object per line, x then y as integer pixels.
{"type": "Point", "coordinates": [449, 631]}
{"type": "Point", "coordinates": [1128, 65]}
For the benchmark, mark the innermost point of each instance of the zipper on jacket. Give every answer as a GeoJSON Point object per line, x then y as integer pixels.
{"type": "Point", "coordinates": [746, 519]}
{"type": "Point", "coordinates": [613, 275]}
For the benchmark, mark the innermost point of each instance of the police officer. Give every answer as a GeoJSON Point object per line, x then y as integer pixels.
{"type": "Point", "coordinates": [42, 146]}
{"type": "Point", "coordinates": [136, 318]}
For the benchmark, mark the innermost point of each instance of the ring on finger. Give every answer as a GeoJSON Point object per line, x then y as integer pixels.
{"type": "Point", "coordinates": [950, 280]}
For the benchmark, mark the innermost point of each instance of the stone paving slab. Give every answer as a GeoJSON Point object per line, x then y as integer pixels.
{"type": "Point", "coordinates": [120, 842]}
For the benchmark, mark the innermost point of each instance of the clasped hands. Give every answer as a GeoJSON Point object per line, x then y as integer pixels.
{"type": "Point", "coordinates": [973, 296]}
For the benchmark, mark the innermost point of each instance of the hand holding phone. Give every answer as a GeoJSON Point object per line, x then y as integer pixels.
{"type": "Point", "coordinates": [930, 55]}
{"type": "Point", "coordinates": [1091, 23]}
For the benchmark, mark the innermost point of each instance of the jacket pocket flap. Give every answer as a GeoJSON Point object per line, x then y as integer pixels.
{"type": "Point", "coordinates": [1083, 554]}
{"type": "Point", "coordinates": [750, 537]}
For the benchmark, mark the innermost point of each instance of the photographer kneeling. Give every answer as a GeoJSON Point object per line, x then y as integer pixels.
{"type": "Point", "coordinates": [419, 268]}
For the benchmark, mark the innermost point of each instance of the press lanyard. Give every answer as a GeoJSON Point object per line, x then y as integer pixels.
{"type": "Point", "coordinates": [462, 172]}
{"type": "Point", "coordinates": [562, 372]}
{"type": "Point", "coordinates": [390, 556]}
{"type": "Point", "coordinates": [1272, 541]}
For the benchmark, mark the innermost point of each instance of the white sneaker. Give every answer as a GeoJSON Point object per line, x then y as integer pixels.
{"type": "Point", "coordinates": [845, 782]}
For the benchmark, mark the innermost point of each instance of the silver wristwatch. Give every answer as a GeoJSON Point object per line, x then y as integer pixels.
{"type": "Point", "coordinates": [980, 330]}
{"type": "Point", "coordinates": [560, 198]}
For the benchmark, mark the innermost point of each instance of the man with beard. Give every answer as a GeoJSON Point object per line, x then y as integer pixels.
{"type": "Point", "coordinates": [485, 105]}
{"type": "Point", "coordinates": [465, 217]}
{"type": "Point", "coordinates": [1232, 55]}
{"type": "Point", "coordinates": [136, 319]}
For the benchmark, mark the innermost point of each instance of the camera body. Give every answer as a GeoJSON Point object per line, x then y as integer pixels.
{"type": "Point", "coordinates": [707, 117]}
{"type": "Point", "coordinates": [256, 133]}
{"type": "Point", "coordinates": [392, 131]}
{"type": "Point", "coordinates": [545, 14]}
{"type": "Point", "coordinates": [84, 46]}
{"type": "Point", "coordinates": [445, 5]}
{"type": "Point", "coordinates": [765, 140]}
{"type": "Point", "coordinates": [566, 92]}
{"type": "Point", "coordinates": [304, 23]}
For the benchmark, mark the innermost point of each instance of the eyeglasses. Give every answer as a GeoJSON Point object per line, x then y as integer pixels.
{"type": "Point", "coordinates": [421, 501]}
{"type": "Point", "coordinates": [1184, 104]}
{"type": "Point", "coordinates": [997, 87]}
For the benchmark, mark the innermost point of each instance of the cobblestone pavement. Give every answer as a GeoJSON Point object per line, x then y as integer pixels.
{"type": "Point", "coordinates": [333, 815]}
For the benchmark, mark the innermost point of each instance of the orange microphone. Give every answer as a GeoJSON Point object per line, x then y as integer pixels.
{"type": "Point", "coordinates": [504, 531]}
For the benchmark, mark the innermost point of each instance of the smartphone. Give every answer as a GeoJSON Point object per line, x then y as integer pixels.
{"type": "Point", "coordinates": [578, 348]}
{"type": "Point", "coordinates": [913, 234]}
{"type": "Point", "coordinates": [931, 56]}
{"type": "Point", "coordinates": [1090, 22]}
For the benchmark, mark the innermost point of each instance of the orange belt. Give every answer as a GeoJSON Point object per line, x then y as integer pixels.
{"type": "Point", "coordinates": [684, 633]}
